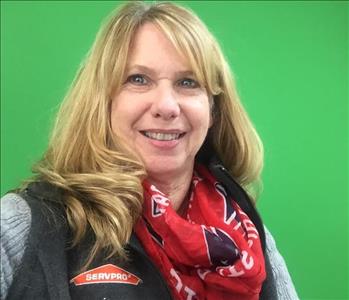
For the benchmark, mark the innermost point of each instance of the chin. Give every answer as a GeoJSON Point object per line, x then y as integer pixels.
{"type": "Point", "coordinates": [166, 166]}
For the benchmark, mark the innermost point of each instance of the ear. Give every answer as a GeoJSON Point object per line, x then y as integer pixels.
{"type": "Point", "coordinates": [212, 111]}
{"type": "Point", "coordinates": [211, 120]}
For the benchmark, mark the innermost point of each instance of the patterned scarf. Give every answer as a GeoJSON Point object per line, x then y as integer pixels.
{"type": "Point", "coordinates": [212, 253]}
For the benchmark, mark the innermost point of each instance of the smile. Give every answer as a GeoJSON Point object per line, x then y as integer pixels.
{"type": "Point", "coordinates": [161, 136]}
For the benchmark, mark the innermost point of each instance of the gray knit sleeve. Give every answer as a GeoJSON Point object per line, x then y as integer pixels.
{"type": "Point", "coordinates": [15, 225]}
{"type": "Point", "coordinates": [279, 285]}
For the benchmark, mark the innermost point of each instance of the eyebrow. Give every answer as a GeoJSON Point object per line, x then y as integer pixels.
{"type": "Point", "coordinates": [151, 71]}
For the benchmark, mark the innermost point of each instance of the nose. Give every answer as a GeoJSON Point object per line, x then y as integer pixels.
{"type": "Point", "coordinates": [165, 103]}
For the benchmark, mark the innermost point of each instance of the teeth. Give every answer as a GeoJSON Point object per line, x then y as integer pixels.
{"type": "Point", "coordinates": [162, 136]}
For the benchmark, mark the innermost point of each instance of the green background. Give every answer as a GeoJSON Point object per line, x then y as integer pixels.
{"type": "Point", "coordinates": [291, 64]}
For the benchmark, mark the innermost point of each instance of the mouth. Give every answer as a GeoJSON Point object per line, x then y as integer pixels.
{"type": "Point", "coordinates": [162, 136]}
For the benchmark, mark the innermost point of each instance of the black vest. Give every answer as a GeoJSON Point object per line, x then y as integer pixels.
{"type": "Point", "coordinates": [48, 265]}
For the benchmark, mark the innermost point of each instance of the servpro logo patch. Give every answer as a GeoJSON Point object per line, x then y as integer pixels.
{"type": "Point", "coordinates": [106, 274]}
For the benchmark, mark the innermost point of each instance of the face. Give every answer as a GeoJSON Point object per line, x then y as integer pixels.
{"type": "Point", "coordinates": [161, 111]}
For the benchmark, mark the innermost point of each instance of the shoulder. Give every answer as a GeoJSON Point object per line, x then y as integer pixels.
{"type": "Point", "coordinates": [33, 242]}
{"type": "Point", "coordinates": [278, 284]}
{"type": "Point", "coordinates": [14, 211]}
{"type": "Point", "coordinates": [15, 227]}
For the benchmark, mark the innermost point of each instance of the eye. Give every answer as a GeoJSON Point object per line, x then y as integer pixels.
{"type": "Point", "coordinates": [188, 83]}
{"type": "Point", "coordinates": [137, 79]}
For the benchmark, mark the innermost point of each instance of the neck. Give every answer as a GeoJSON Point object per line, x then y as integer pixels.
{"type": "Point", "coordinates": [175, 187]}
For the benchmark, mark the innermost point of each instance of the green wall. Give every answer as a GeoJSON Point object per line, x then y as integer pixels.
{"type": "Point", "coordinates": [291, 64]}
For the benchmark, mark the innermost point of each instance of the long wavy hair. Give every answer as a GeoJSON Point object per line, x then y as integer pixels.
{"type": "Point", "coordinates": [100, 176]}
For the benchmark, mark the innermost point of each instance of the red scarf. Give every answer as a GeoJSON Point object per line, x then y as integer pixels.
{"type": "Point", "coordinates": [213, 253]}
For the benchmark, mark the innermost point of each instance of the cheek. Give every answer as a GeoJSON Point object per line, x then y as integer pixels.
{"type": "Point", "coordinates": [120, 115]}
{"type": "Point", "coordinates": [126, 110]}
{"type": "Point", "coordinates": [114, 116]}
{"type": "Point", "coordinates": [201, 114]}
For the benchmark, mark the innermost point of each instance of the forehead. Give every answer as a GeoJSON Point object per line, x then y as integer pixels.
{"type": "Point", "coordinates": [152, 49]}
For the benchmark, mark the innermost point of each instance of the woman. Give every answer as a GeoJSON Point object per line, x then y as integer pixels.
{"type": "Point", "coordinates": [142, 193]}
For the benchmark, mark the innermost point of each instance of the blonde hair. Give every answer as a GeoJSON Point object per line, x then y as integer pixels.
{"type": "Point", "coordinates": [101, 177]}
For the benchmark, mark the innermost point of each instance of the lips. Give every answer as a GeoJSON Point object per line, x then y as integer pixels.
{"type": "Point", "coordinates": [163, 136]}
